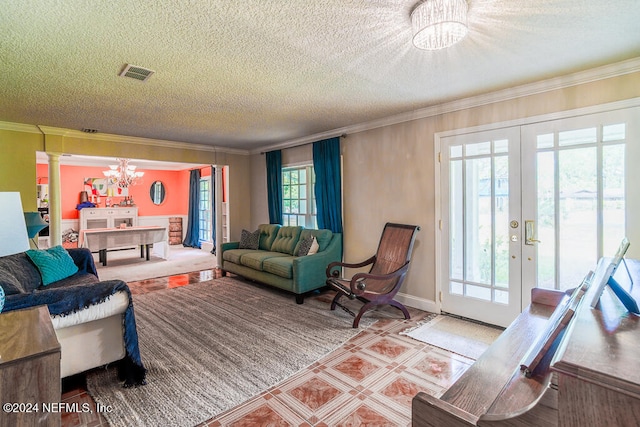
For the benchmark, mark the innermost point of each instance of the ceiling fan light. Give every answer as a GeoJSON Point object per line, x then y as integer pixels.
{"type": "Point", "coordinates": [438, 24]}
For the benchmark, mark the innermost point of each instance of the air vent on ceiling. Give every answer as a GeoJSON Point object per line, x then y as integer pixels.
{"type": "Point", "coordinates": [135, 72]}
{"type": "Point", "coordinates": [87, 130]}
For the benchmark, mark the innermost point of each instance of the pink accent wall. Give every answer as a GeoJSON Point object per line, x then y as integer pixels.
{"type": "Point", "coordinates": [72, 183]}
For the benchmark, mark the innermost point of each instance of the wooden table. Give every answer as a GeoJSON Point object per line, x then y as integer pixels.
{"type": "Point", "coordinates": [101, 239]}
{"type": "Point", "coordinates": [29, 369]}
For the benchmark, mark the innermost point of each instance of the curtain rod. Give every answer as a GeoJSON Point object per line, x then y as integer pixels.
{"type": "Point", "coordinates": [344, 135]}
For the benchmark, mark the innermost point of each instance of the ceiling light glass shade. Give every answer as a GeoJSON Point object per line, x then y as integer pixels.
{"type": "Point", "coordinates": [438, 24]}
{"type": "Point", "coordinates": [123, 174]}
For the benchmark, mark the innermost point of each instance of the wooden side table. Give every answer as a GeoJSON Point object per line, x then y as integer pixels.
{"type": "Point", "coordinates": [29, 369]}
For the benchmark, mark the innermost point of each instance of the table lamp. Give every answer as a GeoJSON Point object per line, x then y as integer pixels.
{"type": "Point", "coordinates": [35, 224]}
{"type": "Point", "coordinates": [13, 231]}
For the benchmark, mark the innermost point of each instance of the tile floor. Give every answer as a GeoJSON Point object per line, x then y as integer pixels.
{"type": "Point", "coordinates": [370, 380]}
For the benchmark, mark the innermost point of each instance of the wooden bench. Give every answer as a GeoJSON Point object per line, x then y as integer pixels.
{"type": "Point", "coordinates": [495, 392]}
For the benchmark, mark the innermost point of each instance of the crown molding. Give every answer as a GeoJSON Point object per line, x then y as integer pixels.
{"type": "Point", "coordinates": [20, 127]}
{"type": "Point", "coordinates": [554, 83]}
{"type": "Point", "coordinates": [72, 133]}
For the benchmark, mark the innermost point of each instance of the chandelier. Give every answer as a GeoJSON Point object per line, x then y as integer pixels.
{"type": "Point", "coordinates": [438, 24]}
{"type": "Point", "coordinates": [123, 174]}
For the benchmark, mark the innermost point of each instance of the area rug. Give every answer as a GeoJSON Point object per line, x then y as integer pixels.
{"type": "Point", "coordinates": [128, 266]}
{"type": "Point", "coordinates": [459, 336]}
{"type": "Point", "coordinates": [213, 345]}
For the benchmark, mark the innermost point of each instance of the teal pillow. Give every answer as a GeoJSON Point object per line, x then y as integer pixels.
{"type": "Point", "coordinates": [54, 263]}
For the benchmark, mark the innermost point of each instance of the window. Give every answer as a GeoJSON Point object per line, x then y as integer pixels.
{"type": "Point", "coordinates": [205, 209]}
{"type": "Point", "coordinates": [298, 198]}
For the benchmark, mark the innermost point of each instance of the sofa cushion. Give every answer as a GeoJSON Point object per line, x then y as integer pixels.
{"type": "Point", "coordinates": [9, 283]}
{"type": "Point", "coordinates": [268, 233]}
{"type": "Point", "coordinates": [22, 269]}
{"type": "Point", "coordinates": [322, 236]}
{"type": "Point", "coordinates": [249, 240]}
{"type": "Point", "coordinates": [255, 259]}
{"type": "Point", "coordinates": [54, 263]}
{"type": "Point", "coordinates": [280, 266]}
{"type": "Point", "coordinates": [286, 240]}
{"type": "Point", "coordinates": [80, 278]}
{"type": "Point", "coordinates": [234, 255]}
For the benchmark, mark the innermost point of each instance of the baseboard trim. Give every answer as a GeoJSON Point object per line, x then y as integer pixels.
{"type": "Point", "coordinates": [420, 303]}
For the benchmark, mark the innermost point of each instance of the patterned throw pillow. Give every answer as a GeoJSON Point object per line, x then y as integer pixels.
{"type": "Point", "coordinates": [249, 240]}
{"type": "Point", "coordinates": [54, 263]}
{"type": "Point", "coordinates": [308, 246]}
{"type": "Point", "coordinates": [305, 245]}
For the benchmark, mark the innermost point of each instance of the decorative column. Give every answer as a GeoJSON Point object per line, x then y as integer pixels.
{"type": "Point", "coordinates": [55, 208]}
{"type": "Point", "coordinates": [218, 202]}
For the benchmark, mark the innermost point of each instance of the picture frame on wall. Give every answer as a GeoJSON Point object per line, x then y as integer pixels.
{"type": "Point", "coordinates": [103, 187]}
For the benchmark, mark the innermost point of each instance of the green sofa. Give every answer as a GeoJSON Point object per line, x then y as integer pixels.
{"type": "Point", "coordinates": [275, 264]}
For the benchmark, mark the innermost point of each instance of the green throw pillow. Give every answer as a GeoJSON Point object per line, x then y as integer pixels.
{"type": "Point", "coordinates": [54, 263]}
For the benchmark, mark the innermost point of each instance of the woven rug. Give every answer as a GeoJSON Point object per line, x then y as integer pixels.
{"type": "Point", "coordinates": [213, 345]}
{"type": "Point", "coordinates": [459, 336]}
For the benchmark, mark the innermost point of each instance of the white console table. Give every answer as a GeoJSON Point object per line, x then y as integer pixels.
{"type": "Point", "coordinates": [92, 218]}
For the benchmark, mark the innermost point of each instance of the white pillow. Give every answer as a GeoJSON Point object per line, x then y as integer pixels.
{"type": "Point", "coordinates": [314, 247]}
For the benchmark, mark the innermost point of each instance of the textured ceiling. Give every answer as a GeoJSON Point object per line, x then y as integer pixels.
{"type": "Point", "coordinates": [260, 72]}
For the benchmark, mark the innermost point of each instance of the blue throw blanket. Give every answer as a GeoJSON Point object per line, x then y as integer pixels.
{"type": "Point", "coordinates": [69, 299]}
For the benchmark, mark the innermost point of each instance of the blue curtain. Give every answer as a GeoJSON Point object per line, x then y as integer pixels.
{"type": "Point", "coordinates": [213, 208]}
{"type": "Point", "coordinates": [192, 238]}
{"type": "Point", "coordinates": [274, 186]}
{"type": "Point", "coordinates": [326, 164]}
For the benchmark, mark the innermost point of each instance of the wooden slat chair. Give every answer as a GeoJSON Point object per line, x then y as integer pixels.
{"type": "Point", "coordinates": [389, 267]}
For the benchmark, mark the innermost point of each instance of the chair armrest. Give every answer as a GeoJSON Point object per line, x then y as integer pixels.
{"type": "Point", "coordinates": [336, 273]}
{"type": "Point", "coordinates": [358, 284]}
{"type": "Point", "coordinates": [83, 258]}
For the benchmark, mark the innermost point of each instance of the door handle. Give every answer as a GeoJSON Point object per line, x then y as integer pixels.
{"type": "Point", "coordinates": [530, 233]}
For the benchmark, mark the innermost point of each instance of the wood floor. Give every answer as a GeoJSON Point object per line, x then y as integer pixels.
{"type": "Point", "coordinates": [369, 381]}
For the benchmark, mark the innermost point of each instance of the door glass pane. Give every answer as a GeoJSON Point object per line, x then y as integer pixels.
{"type": "Point", "coordinates": [577, 137]}
{"type": "Point", "coordinates": [545, 141]}
{"type": "Point", "coordinates": [456, 228]}
{"type": "Point", "coordinates": [478, 227]}
{"type": "Point", "coordinates": [501, 296]}
{"type": "Point", "coordinates": [577, 215]}
{"type": "Point", "coordinates": [501, 146]}
{"type": "Point", "coordinates": [613, 214]}
{"type": "Point", "coordinates": [545, 222]}
{"type": "Point", "coordinates": [478, 148]}
{"type": "Point", "coordinates": [455, 151]}
{"type": "Point", "coordinates": [478, 292]}
{"type": "Point", "coordinates": [501, 209]}
{"type": "Point", "coordinates": [456, 288]}
{"type": "Point", "coordinates": [614, 132]}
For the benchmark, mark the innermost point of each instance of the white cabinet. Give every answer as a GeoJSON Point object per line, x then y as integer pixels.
{"type": "Point", "coordinates": [107, 218]}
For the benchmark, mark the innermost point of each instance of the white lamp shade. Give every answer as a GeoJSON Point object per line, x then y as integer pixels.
{"type": "Point", "coordinates": [13, 229]}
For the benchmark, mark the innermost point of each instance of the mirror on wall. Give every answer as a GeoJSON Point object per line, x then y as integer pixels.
{"type": "Point", "coordinates": [157, 192]}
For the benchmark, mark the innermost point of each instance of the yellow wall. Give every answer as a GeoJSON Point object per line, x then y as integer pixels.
{"type": "Point", "coordinates": [18, 164]}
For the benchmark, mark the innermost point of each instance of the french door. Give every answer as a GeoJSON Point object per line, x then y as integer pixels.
{"type": "Point", "coordinates": [529, 206]}
{"type": "Point", "coordinates": [481, 194]}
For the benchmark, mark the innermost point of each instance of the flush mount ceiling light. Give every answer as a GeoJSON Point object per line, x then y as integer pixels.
{"type": "Point", "coordinates": [438, 24]}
